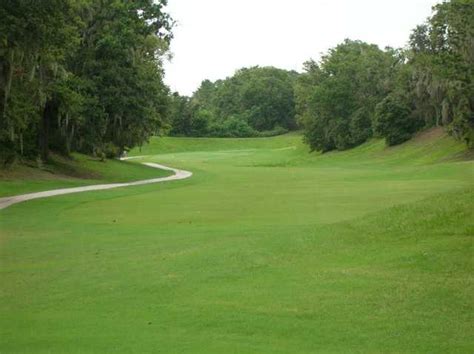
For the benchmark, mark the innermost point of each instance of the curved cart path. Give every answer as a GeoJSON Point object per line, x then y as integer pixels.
{"type": "Point", "coordinates": [178, 174]}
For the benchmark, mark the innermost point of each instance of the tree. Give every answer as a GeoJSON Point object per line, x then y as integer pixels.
{"type": "Point", "coordinates": [262, 99]}
{"type": "Point", "coordinates": [394, 120]}
{"type": "Point", "coordinates": [121, 59]}
{"type": "Point", "coordinates": [34, 40]}
{"type": "Point", "coordinates": [337, 97]}
{"type": "Point", "coordinates": [180, 115]}
{"type": "Point", "coordinates": [81, 75]}
{"type": "Point", "coordinates": [442, 62]}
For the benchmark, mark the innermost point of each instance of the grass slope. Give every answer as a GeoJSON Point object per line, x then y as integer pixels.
{"type": "Point", "coordinates": [267, 248]}
{"type": "Point", "coordinates": [77, 171]}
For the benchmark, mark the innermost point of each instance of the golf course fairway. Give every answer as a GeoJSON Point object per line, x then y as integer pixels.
{"type": "Point", "coordinates": [267, 248]}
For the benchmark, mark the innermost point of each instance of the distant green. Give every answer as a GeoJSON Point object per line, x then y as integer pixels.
{"type": "Point", "coordinates": [265, 249]}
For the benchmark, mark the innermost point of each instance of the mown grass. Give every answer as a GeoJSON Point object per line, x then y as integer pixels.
{"type": "Point", "coordinates": [79, 170]}
{"type": "Point", "coordinates": [266, 249]}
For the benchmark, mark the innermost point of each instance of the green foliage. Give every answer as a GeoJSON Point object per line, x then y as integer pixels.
{"type": "Point", "coordinates": [80, 75]}
{"type": "Point", "coordinates": [443, 68]}
{"type": "Point", "coordinates": [337, 98]}
{"type": "Point", "coordinates": [200, 122]}
{"type": "Point", "coordinates": [180, 115]}
{"type": "Point", "coordinates": [274, 132]}
{"type": "Point", "coordinates": [257, 100]}
{"type": "Point", "coordinates": [394, 120]}
{"type": "Point", "coordinates": [264, 96]}
{"type": "Point", "coordinates": [35, 39]}
{"type": "Point", "coordinates": [232, 127]}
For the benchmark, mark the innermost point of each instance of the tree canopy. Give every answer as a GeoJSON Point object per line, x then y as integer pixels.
{"type": "Point", "coordinates": [81, 75]}
{"type": "Point", "coordinates": [84, 75]}
{"type": "Point", "coordinates": [357, 90]}
{"type": "Point", "coordinates": [340, 93]}
{"type": "Point", "coordinates": [255, 101]}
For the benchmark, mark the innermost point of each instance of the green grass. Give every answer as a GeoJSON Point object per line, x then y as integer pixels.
{"type": "Point", "coordinates": [79, 170]}
{"type": "Point", "coordinates": [266, 249]}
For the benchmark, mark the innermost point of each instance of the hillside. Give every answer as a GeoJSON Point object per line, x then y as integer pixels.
{"type": "Point", "coordinates": [78, 170]}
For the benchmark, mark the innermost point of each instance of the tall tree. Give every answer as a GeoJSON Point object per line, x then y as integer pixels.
{"type": "Point", "coordinates": [442, 63]}
{"type": "Point", "coordinates": [337, 97]}
{"type": "Point", "coordinates": [34, 39]}
{"type": "Point", "coordinates": [253, 102]}
{"type": "Point", "coordinates": [81, 74]}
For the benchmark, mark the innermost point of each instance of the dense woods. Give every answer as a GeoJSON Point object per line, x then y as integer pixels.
{"type": "Point", "coordinates": [80, 75]}
{"type": "Point", "coordinates": [358, 91]}
{"type": "Point", "coordinates": [83, 75]}
{"type": "Point", "coordinates": [337, 97]}
{"type": "Point", "coordinates": [257, 101]}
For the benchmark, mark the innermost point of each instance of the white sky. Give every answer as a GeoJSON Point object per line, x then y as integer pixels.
{"type": "Point", "coordinates": [213, 38]}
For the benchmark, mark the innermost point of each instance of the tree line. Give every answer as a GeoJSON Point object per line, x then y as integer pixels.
{"type": "Point", "coordinates": [355, 92]}
{"type": "Point", "coordinates": [257, 101]}
{"type": "Point", "coordinates": [81, 75]}
{"type": "Point", "coordinates": [358, 91]}
{"type": "Point", "coordinates": [87, 75]}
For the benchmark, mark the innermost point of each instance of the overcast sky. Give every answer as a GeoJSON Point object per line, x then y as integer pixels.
{"type": "Point", "coordinates": [213, 38]}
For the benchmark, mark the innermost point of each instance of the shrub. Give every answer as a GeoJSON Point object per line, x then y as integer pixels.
{"type": "Point", "coordinates": [394, 121]}
{"type": "Point", "coordinates": [232, 127]}
{"type": "Point", "coordinates": [274, 132]}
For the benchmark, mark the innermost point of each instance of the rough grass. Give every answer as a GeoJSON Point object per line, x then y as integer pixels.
{"type": "Point", "coordinates": [79, 170]}
{"type": "Point", "coordinates": [266, 249]}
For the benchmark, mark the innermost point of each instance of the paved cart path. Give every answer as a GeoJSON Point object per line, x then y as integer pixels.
{"type": "Point", "coordinates": [178, 174]}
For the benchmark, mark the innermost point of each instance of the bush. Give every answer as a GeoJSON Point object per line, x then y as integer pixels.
{"type": "Point", "coordinates": [199, 123]}
{"type": "Point", "coordinates": [232, 127]}
{"type": "Point", "coordinates": [110, 151]}
{"type": "Point", "coordinates": [394, 121]}
{"type": "Point", "coordinates": [274, 132]}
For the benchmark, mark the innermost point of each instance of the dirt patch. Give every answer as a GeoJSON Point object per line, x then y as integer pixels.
{"type": "Point", "coordinates": [428, 135]}
{"type": "Point", "coordinates": [467, 155]}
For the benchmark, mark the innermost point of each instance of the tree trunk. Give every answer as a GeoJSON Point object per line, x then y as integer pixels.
{"type": "Point", "coordinates": [5, 83]}
{"type": "Point", "coordinates": [2, 109]}
{"type": "Point", "coordinates": [50, 112]}
{"type": "Point", "coordinates": [69, 138]}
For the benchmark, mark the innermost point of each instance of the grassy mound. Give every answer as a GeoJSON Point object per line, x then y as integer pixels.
{"type": "Point", "coordinates": [79, 170]}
